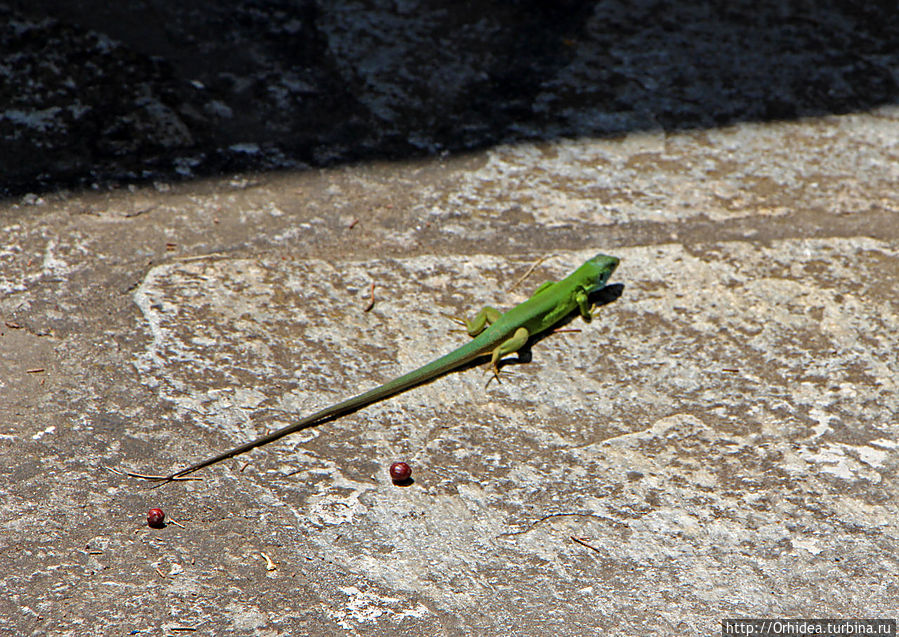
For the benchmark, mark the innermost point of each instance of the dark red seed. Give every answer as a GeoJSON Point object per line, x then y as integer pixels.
{"type": "Point", "coordinates": [156, 518]}
{"type": "Point", "coordinates": [400, 471]}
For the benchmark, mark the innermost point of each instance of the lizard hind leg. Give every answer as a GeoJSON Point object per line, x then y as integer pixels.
{"type": "Point", "coordinates": [543, 287]}
{"type": "Point", "coordinates": [509, 346]}
{"type": "Point", "coordinates": [487, 316]}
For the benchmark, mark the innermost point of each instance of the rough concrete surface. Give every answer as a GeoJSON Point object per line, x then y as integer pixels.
{"type": "Point", "coordinates": [722, 441]}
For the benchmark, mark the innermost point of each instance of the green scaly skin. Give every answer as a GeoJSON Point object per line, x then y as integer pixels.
{"type": "Point", "coordinates": [494, 333]}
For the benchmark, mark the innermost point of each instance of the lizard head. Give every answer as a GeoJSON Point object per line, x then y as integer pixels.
{"type": "Point", "coordinates": [597, 271]}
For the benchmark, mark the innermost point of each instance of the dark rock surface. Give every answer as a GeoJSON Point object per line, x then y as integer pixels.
{"type": "Point", "coordinates": [97, 92]}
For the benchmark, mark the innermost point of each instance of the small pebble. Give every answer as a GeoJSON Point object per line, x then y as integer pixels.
{"type": "Point", "coordinates": [156, 518]}
{"type": "Point", "coordinates": [400, 472]}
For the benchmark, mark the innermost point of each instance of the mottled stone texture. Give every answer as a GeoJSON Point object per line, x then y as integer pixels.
{"type": "Point", "coordinates": [722, 441]}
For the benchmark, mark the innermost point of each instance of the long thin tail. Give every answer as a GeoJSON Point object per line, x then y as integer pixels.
{"type": "Point", "coordinates": [423, 374]}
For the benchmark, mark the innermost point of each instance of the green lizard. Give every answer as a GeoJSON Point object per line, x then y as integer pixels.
{"type": "Point", "coordinates": [494, 333]}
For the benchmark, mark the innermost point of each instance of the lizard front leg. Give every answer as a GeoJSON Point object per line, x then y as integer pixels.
{"type": "Point", "coordinates": [583, 304]}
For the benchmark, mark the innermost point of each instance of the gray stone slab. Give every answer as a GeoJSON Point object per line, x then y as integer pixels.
{"type": "Point", "coordinates": [722, 441]}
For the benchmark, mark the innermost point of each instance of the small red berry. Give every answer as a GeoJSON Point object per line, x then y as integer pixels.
{"type": "Point", "coordinates": [400, 472]}
{"type": "Point", "coordinates": [156, 518]}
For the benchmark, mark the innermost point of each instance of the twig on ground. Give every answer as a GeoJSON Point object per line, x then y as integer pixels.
{"type": "Point", "coordinates": [528, 273]}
